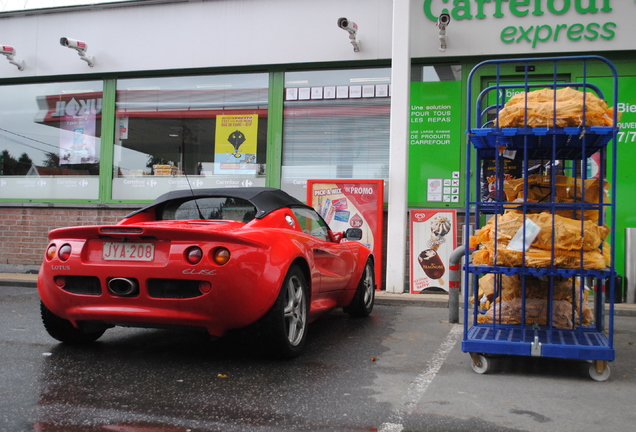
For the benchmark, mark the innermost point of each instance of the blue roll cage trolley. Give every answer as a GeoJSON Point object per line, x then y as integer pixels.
{"type": "Point", "coordinates": [564, 150]}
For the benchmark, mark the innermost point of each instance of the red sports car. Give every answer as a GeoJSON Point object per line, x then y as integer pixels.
{"type": "Point", "coordinates": [213, 259]}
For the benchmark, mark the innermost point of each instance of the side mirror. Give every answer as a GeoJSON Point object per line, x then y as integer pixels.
{"type": "Point", "coordinates": [353, 234]}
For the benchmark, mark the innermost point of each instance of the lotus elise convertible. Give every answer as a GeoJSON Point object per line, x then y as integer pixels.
{"type": "Point", "coordinates": [211, 259]}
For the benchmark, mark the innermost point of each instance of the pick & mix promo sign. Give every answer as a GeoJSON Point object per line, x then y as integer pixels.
{"type": "Point", "coordinates": [352, 204]}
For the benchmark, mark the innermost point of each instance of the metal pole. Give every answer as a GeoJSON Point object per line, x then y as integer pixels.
{"type": "Point", "coordinates": [454, 284]}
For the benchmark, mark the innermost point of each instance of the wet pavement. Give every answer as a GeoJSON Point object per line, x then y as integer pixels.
{"type": "Point", "coordinates": [401, 369]}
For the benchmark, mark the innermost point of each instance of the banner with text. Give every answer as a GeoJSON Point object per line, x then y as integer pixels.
{"type": "Point", "coordinates": [435, 144]}
{"type": "Point", "coordinates": [352, 204]}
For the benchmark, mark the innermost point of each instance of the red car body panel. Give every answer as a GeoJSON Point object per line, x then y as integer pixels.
{"type": "Point", "coordinates": [217, 297]}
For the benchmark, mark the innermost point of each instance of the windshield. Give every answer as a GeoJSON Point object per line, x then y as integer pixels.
{"type": "Point", "coordinates": [220, 208]}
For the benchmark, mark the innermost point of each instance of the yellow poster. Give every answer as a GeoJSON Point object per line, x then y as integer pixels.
{"type": "Point", "coordinates": [235, 141]}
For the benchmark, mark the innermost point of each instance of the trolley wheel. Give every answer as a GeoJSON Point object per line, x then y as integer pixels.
{"type": "Point", "coordinates": [599, 370]}
{"type": "Point", "coordinates": [480, 363]}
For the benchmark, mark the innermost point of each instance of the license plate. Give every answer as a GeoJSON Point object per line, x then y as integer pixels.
{"type": "Point", "coordinates": [128, 251]}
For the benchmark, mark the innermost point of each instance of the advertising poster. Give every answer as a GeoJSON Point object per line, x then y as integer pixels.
{"type": "Point", "coordinates": [235, 143]}
{"type": "Point", "coordinates": [352, 204]}
{"type": "Point", "coordinates": [77, 140]}
{"type": "Point", "coordinates": [75, 115]}
{"type": "Point", "coordinates": [433, 239]}
{"type": "Point", "coordinates": [435, 144]}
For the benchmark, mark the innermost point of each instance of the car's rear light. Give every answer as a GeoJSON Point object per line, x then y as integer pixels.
{"type": "Point", "coordinates": [205, 287]}
{"type": "Point", "coordinates": [220, 255]}
{"type": "Point", "coordinates": [50, 252]}
{"type": "Point", "coordinates": [60, 281]}
{"type": "Point", "coordinates": [64, 252]}
{"type": "Point", "coordinates": [193, 254]}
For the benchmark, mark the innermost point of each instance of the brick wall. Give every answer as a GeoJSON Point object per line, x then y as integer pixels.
{"type": "Point", "coordinates": [23, 230]}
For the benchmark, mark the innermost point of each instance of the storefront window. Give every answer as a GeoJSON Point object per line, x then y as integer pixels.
{"type": "Point", "coordinates": [336, 126]}
{"type": "Point", "coordinates": [194, 131]}
{"type": "Point", "coordinates": [50, 140]}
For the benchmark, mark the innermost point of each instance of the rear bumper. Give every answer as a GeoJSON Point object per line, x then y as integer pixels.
{"type": "Point", "coordinates": [220, 306]}
{"type": "Point", "coordinates": [152, 317]}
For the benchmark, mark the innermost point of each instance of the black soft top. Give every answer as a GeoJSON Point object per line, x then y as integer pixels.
{"type": "Point", "coordinates": [265, 199]}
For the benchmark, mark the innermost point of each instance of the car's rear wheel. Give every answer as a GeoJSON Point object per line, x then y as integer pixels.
{"type": "Point", "coordinates": [285, 325]}
{"type": "Point", "coordinates": [362, 303]}
{"type": "Point", "coordinates": [64, 331]}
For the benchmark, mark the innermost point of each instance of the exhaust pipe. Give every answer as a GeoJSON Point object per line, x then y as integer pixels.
{"type": "Point", "coordinates": [123, 287]}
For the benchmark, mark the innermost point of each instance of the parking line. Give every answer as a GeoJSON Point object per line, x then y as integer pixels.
{"type": "Point", "coordinates": [419, 386]}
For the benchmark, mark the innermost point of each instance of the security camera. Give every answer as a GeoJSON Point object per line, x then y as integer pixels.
{"type": "Point", "coordinates": [347, 25]}
{"type": "Point", "coordinates": [73, 43]}
{"type": "Point", "coordinates": [80, 46]}
{"type": "Point", "coordinates": [352, 29]}
{"type": "Point", "coordinates": [9, 52]}
{"type": "Point", "coordinates": [443, 20]}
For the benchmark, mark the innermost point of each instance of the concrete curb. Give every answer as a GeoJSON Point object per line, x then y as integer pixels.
{"type": "Point", "coordinates": [29, 280]}
{"type": "Point", "coordinates": [26, 280]}
{"type": "Point", "coordinates": [405, 299]}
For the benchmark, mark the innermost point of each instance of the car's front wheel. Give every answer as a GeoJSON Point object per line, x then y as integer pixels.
{"type": "Point", "coordinates": [64, 331]}
{"type": "Point", "coordinates": [362, 303]}
{"type": "Point", "coordinates": [285, 325]}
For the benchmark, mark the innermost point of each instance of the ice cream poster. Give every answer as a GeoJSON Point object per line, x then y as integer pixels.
{"type": "Point", "coordinates": [433, 239]}
{"type": "Point", "coordinates": [354, 204]}
{"type": "Point", "coordinates": [235, 142]}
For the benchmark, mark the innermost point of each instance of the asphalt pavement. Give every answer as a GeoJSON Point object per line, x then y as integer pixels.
{"type": "Point", "coordinates": [29, 280]}
{"type": "Point", "coordinates": [403, 369]}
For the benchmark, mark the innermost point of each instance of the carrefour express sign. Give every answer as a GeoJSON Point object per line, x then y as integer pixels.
{"type": "Point", "coordinates": [534, 23]}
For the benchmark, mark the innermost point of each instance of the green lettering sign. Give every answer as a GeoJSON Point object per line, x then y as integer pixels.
{"type": "Point", "coordinates": [538, 33]}
{"type": "Point", "coordinates": [463, 9]}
